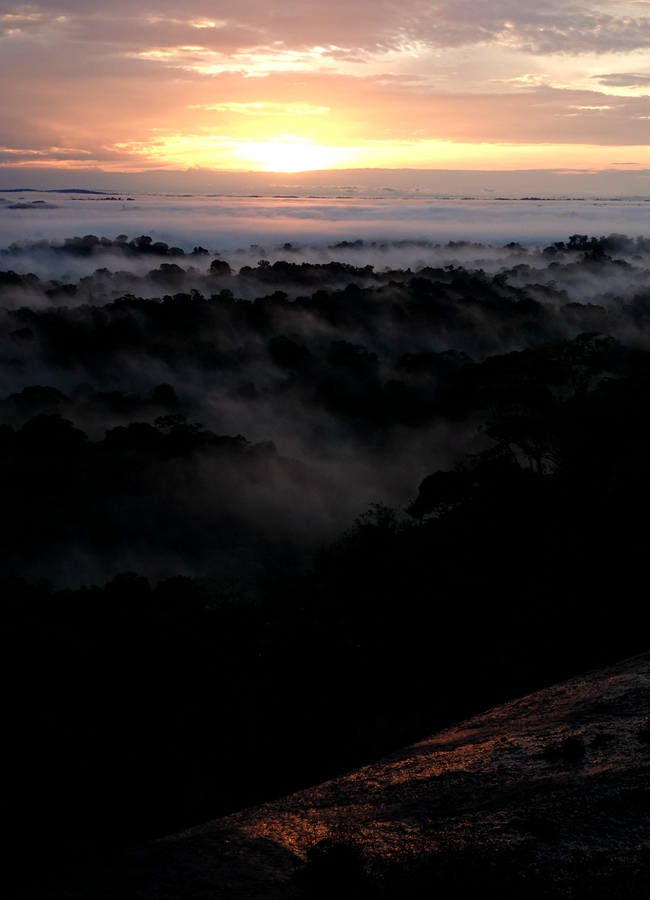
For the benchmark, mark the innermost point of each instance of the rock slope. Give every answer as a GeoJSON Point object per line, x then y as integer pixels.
{"type": "Point", "coordinates": [556, 780]}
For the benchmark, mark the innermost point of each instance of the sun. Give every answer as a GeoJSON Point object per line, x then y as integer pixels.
{"type": "Point", "coordinates": [291, 154]}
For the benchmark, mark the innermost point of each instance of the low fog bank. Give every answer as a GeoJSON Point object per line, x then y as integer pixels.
{"type": "Point", "coordinates": [169, 410]}
{"type": "Point", "coordinates": [227, 224]}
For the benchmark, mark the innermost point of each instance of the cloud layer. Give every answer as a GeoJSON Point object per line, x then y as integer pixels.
{"type": "Point", "coordinates": [315, 85]}
{"type": "Point", "coordinates": [338, 28]}
{"type": "Point", "coordinates": [231, 224]}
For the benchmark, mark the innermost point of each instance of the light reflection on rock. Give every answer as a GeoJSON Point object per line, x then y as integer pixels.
{"type": "Point", "coordinates": [520, 763]}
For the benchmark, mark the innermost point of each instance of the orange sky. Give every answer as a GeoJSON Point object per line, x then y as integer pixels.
{"type": "Point", "coordinates": [269, 86]}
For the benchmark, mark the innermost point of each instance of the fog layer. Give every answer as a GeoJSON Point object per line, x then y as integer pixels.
{"type": "Point", "coordinates": [172, 409]}
{"type": "Point", "coordinates": [227, 223]}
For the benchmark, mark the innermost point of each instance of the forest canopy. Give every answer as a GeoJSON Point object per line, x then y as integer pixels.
{"type": "Point", "coordinates": [219, 480]}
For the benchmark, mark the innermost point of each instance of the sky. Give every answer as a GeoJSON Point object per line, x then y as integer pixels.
{"type": "Point", "coordinates": [169, 86]}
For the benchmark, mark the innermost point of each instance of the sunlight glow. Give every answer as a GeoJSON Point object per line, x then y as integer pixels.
{"type": "Point", "coordinates": [281, 153]}
{"type": "Point", "coordinates": [292, 154]}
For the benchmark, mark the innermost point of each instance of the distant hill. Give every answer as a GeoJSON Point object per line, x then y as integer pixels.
{"type": "Point", "coordinates": [49, 191]}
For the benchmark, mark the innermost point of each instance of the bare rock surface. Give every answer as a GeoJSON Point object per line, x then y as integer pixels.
{"type": "Point", "coordinates": [563, 773]}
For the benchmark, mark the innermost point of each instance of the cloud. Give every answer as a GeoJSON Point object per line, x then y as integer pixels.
{"type": "Point", "coordinates": [623, 79]}
{"type": "Point", "coordinates": [368, 26]}
{"type": "Point", "coordinates": [134, 119]}
{"type": "Point", "coordinates": [144, 86]}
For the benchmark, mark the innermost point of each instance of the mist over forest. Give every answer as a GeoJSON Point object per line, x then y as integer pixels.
{"type": "Point", "coordinates": [246, 411]}
{"type": "Point", "coordinates": [354, 464]}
